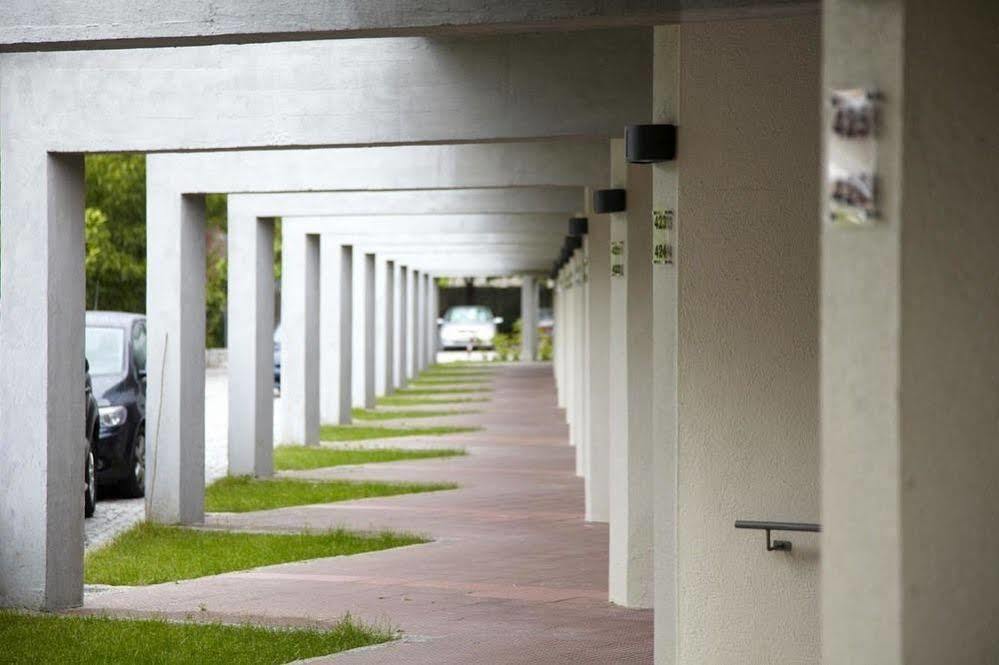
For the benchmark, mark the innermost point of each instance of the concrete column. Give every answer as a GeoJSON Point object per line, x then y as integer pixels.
{"type": "Point", "coordinates": [41, 454]}
{"type": "Point", "coordinates": [346, 327]}
{"type": "Point", "coordinates": [909, 352]}
{"type": "Point", "coordinates": [665, 98]}
{"type": "Point", "coordinates": [529, 318]}
{"type": "Point", "coordinates": [746, 254]}
{"type": "Point", "coordinates": [335, 333]}
{"type": "Point", "coordinates": [391, 338]}
{"type": "Point", "coordinates": [598, 350]}
{"type": "Point", "coordinates": [631, 530]}
{"type": "Point", "coordinates": [405, 305]}
{"type": "Point", "coordinates": [300, 336]}
{"type": "Point", "coordinates": [432, 314]}
{"type": "Point", "coordinates": [175, 398]}
{"type": "Point", "coordinates": [370, 343]}
{"type": "Point", "coordinates": [250, 329]}
{"type": "Point", "coordinates": [419, 322]}
{"type": "Point", "coordinates": [364, 332]}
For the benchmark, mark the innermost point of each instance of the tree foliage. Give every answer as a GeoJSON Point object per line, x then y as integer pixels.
{"type": "Point", "coordinates": [115, 260]}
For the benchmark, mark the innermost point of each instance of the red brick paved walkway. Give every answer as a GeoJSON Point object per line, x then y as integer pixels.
{"type": "Point", "coordinates": [514, 575]}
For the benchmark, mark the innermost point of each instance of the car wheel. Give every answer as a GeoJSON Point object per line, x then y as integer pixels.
{"type": "Point", "coordinates": [90, 485]}
{"type": "Point", "coordinates": [134, 485]}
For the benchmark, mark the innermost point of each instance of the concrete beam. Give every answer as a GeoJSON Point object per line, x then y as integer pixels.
{"type": "Point", "coordinates": [359, 92]}
{"type": "Point", "coordinates": [87, 24]}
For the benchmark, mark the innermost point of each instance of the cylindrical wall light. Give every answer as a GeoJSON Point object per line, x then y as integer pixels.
{"type": "Point", "coordinates": [578, 226]}
{"type": "Point", "coordinates": [610, 200]}
{"type": "Point", "coordinates": [648, 144]}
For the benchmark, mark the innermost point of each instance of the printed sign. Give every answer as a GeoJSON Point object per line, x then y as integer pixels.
{"type": "Point", "coordinates": [851, 177]}
{"type": "Point", "coordinates": [617, 258]}
{"type": "Point", "coordinates": [662, 231]}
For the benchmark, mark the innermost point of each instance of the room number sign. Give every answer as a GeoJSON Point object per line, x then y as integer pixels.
{"type": "Point", "coordinates": [662, 241]}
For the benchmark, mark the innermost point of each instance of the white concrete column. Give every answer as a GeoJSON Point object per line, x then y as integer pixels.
{"type": "Point", "coordinates": [419, 322]}
{"type": "Point", "coordinates": [364, 331]}
{"type": "Point", "coordinates": [528, 318]}
{"type": "Point", "coordinates": [300, 336]}
{"type": "Point", "coordinates": [404, 336]}
{"type": "Point", "coordinates": [432, 314]}
{"type": "Point", "coordinates": [41, 326]}
{"type": "Point", "coordinates": [370, 341]}
{"type": "Point", "coordinates": [598, 350]}
{"type": "Point", "coordinates": [666, 94]}
{"type": "Point", "coordinates": [335, 333]}
{"type": "Point", "coordinates": [346, 328]}
{"type": "Point", "coordinates": [631, 529]}
{"type": "Point", "coordinates": [250, 329]}
{"type": "Point", "coordinates": [746, 256]}
{"type": "Point", "coordinates": [175, 398]}
{"type": "Point", "coordinates": [390, 336]}
{"type": "Point", "coordinates": [909, 351]}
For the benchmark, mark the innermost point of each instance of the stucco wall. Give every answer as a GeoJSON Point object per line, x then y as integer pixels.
{"type": "Point", "coordinates": [747, 337]}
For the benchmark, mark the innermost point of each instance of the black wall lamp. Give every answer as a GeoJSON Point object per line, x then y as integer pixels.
{"type": "Point", "coordinates": [578, 226]}
{"type": "Point", "coordinates": [648, 144]}
{"type": "Point", "coordinates": [610, 200]}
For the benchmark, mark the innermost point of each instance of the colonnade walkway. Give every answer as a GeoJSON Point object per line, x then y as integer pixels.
{"type": "Point", "coordinates": [513, 574]}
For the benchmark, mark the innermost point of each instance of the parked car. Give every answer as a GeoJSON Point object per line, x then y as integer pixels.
{"type": "Point", "coordinates": [116, 351]}
{"type": "Point", "coordinates": [546, 320]}
{"type": "Point", "coordinates": [277, 358]}
{"type": "Point", "coordinates": [468, 327]}
{"type": "Point", "coordinates": [89, 439]}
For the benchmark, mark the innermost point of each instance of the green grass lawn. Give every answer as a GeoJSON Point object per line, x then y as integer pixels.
{"type": "Point", "coordinates": [374, 414]}
{"type": "Point", "coordinates": [54, 640]}
{"type": "Point", "coordinates": [152, 553]}
{"type": "Point", "coordinates": [242, 494]}
{"type": "Point", "coordinates": [296, 458]}
{"type": "Point", "coordinates": [363, 432]}
{"type": "Point", "coordinates": [448, 381]}
{"type": "Point", "coordinates": [402, 400]}
{"type": "Point", "coordinates": [440, 391]}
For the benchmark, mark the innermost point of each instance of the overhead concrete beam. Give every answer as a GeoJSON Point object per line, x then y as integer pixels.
{"type": "Point", "coordinates": [329, 93]}
{"type": "Point", "coordinates": [491, 200]}
{"type": "Point", "coordinates": [94, 24]}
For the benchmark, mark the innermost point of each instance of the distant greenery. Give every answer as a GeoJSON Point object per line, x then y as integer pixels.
{"type": "Point", "coordinates": [402, 400]}
{"type": "Point", "coordinates": [153, 553]}
{"type": "Point", "coordinates": [243, 494]}
{"type": "Point", "coordinates": [375, 414]}
{"type": "Point", "coordinates": [363, 432]}
{"type": "Point", "coordinates": [115, 228]}
{"type": "Point", "coordinates": [53, 640]}
{"type": "Point", "coordinates": [288, 458]}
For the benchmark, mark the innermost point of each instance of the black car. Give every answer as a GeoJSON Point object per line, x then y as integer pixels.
{"type": "Point", "coordinates": [89, 439]}
{"type": "Point", "coordinates": [116, 351]}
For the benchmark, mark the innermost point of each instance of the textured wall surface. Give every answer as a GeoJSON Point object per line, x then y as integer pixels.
{"type": "Point", "coordinates": [747, 263]}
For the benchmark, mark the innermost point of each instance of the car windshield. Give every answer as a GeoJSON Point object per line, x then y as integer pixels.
{"type": "Point", "coordinates": [468, 315]}
{"type": "Point", "coordinates": [105, 350]}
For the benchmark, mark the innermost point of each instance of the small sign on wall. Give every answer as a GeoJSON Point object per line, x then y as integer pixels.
{"type": "Point", "coordinates": [617, 258]}
{"type": "Point", "coordinates": [852, 149]}
{"type": "Point", "coordinates": [662, 232]}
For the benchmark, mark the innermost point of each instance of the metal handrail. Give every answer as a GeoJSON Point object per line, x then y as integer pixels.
{"type": "Point", "coordinates": [778, 545]}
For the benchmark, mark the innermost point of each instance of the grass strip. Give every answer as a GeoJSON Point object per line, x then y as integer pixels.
{"type": "Point", "coordinates": [296, 458]}
{"type": "Point", "coordinates": [375, 414]}
{"type": "Point", "coordinates": [153, 553]}
{"type": "Point", "coordinates": [398, 400]}
{"type": "Point", "coordinates": [440, 391]}
{"type": "Point", "coordinates": [364, 432]}
{"type": "Point", "coordinates": [242, 494]}
{"type": "Point", "coordinates": [54, 640]}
